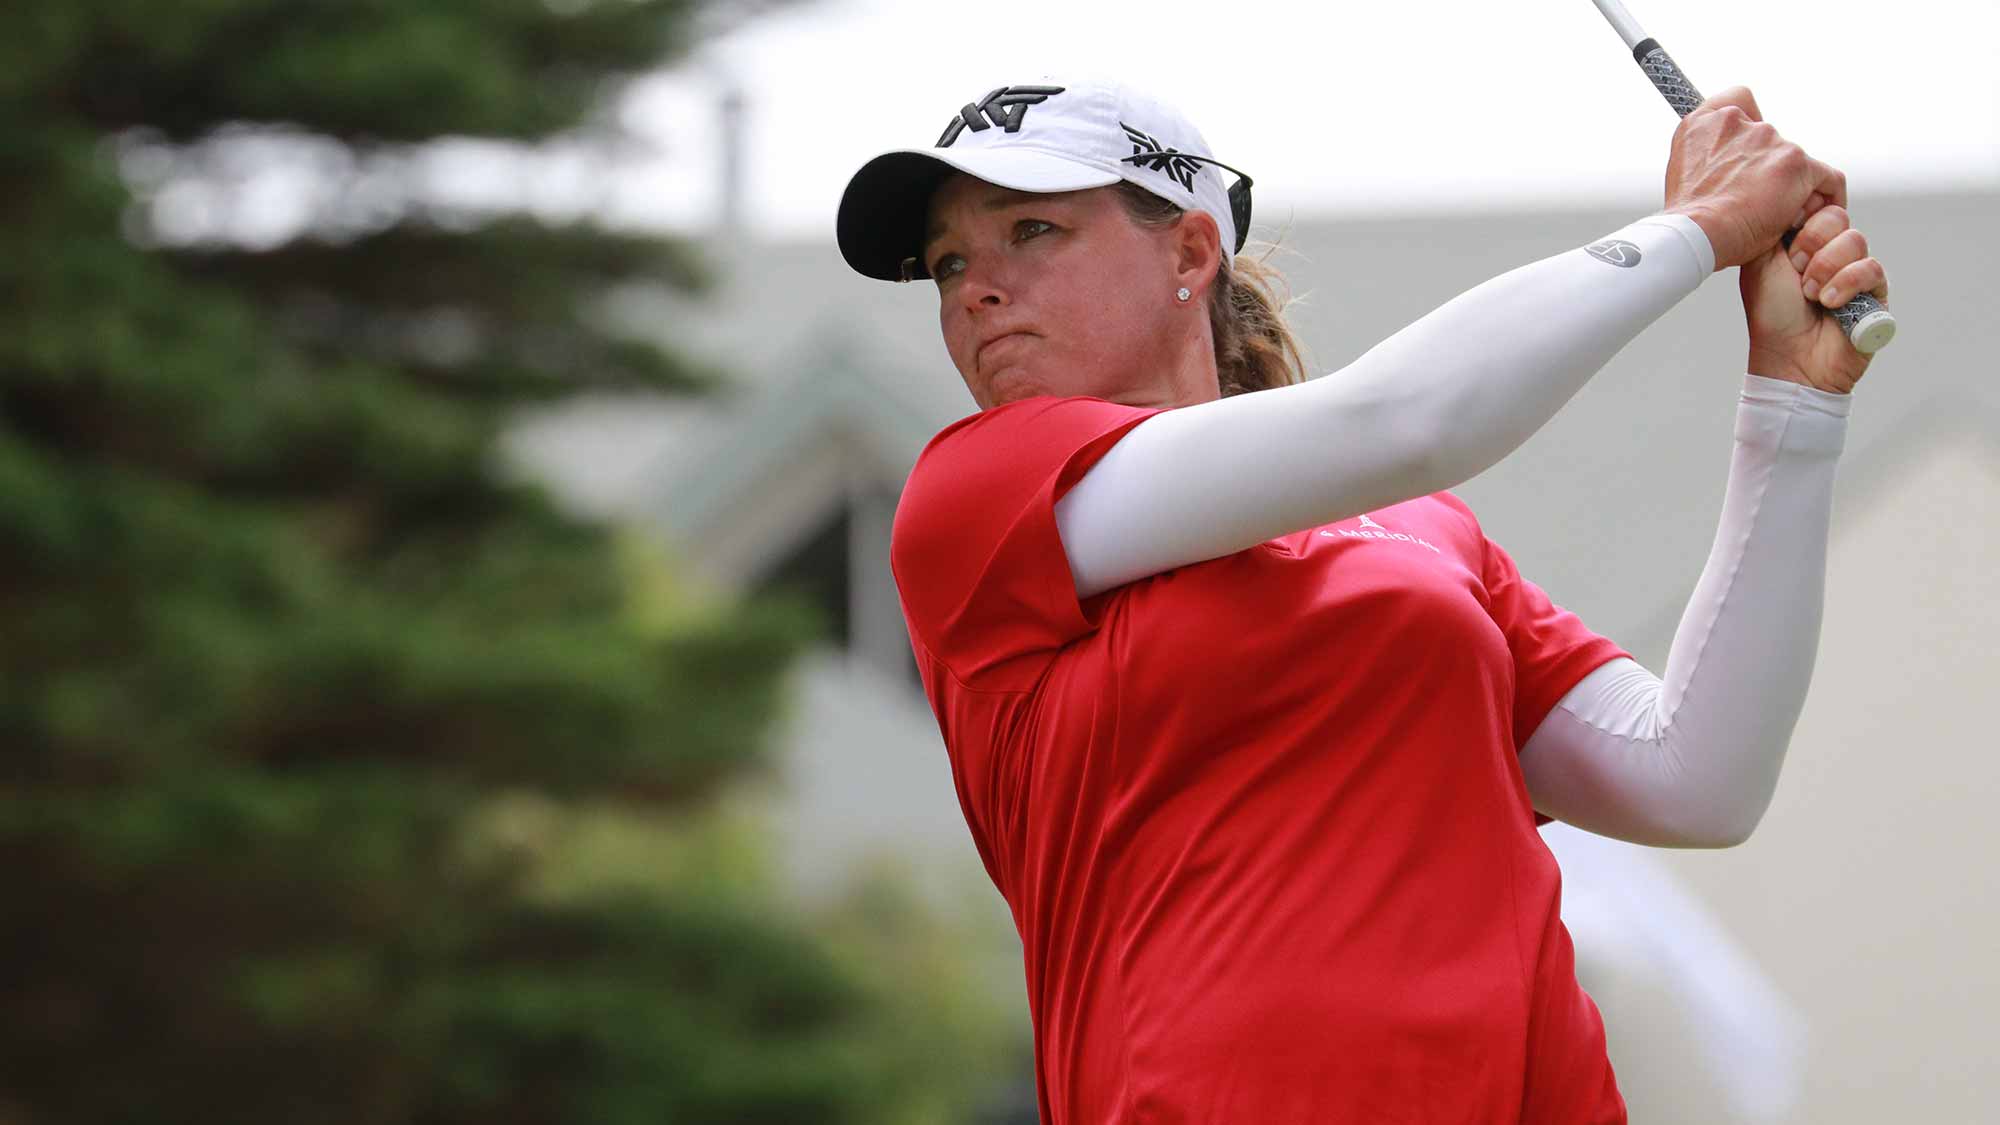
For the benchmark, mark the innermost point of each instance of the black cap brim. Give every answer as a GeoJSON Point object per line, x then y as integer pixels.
{"type": "Point", "coordinates": [881, 221]}
{"type": "Point", "coordinates": [882, 213]}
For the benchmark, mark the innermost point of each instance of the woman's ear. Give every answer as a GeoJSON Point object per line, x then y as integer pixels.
{"type": "Point", "coordinates": [1197, 250]}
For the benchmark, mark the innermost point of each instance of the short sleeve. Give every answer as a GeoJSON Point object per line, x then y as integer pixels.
{"type": "Point", "coordinates": [1552, 648]}
{"type": "Point", "coordinates": [979, 565]}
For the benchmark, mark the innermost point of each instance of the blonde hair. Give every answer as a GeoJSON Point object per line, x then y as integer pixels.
{"type": "Point", "coordinates": [1255, 349]}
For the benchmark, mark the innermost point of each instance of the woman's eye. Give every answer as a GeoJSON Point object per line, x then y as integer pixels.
{"type": "Point", "coordinates": [950, 264]}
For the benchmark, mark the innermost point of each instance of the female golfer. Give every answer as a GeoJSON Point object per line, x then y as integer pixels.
{"type": "Point", "coordinates": [1251, 723]}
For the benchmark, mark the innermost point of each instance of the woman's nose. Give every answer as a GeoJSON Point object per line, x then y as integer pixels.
{"type": "Point", "coordinates": [980, 287]}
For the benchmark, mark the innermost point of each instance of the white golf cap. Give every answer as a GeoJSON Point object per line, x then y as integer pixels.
{"type": "Point", "coordinates": [1047, 137]}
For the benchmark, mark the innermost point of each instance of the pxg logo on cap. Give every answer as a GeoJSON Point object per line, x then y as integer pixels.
{"type": "Point", "coordinates": [1162, 158]}
{"type": "Point", "coordinates": [1004, 107]}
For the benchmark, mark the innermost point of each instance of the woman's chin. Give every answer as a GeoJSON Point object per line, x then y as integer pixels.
{"type": "Point", "coordinates": [1013, 384]}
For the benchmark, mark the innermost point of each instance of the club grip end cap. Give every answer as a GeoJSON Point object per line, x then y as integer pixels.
{"type": "Point", "coordinates": [1873, 332]}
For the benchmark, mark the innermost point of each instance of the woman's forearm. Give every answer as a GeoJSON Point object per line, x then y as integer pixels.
{"type": "Point", "coordinates": [1426, 409]}
{"type": "Point", "coordinates": [1693, 761]}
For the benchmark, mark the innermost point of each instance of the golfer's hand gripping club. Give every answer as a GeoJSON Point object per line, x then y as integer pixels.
{"type": "Point", "coordinates": [1868, 325]}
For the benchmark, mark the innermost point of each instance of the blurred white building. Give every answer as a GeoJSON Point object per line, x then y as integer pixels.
{"type": "Point", "coordinates": [1839, 967]}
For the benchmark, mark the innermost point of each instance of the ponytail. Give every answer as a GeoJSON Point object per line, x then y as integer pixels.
{"type": "Point", "coordinates": [1254, 347]}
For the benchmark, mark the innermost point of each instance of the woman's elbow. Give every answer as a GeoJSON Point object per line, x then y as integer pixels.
{"type": "Point", "coordinates": [1721, 807]}
{"type": "Point", "coordinates": [1714, 827]}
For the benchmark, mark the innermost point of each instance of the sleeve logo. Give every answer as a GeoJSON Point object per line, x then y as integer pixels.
{"type": "Point", "coordinates": [1617, 251]}
{"type": "Point", "coordinates": [1004, 107]}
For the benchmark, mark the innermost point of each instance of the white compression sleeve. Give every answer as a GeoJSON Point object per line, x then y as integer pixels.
{"type": "Point", "coordinates": [1426, 409]}
{"type": "Point", "coordinates": [1693, 761]}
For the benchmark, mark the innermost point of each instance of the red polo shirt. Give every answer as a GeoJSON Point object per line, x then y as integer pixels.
{"type": "Point", "coordinates": [1260, 819]}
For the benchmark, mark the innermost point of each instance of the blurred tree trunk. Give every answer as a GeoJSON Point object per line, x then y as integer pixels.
{"type": "Point", "coordinates": [286, 664]}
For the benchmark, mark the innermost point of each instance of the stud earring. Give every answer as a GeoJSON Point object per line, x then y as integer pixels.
{"type": "Point", "coordinates": [1182, 293]}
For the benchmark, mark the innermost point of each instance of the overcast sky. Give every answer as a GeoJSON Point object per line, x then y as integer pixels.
{"type": "Point", "coordinates": [1334, 107]}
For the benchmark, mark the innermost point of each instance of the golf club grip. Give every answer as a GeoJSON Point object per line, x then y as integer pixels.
{"type": "Point", "coordinates": [1666, 77]}
{"type": "Point", "coordinates": [1867, 324]}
